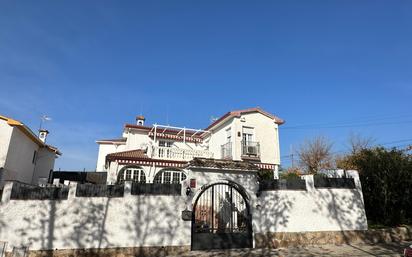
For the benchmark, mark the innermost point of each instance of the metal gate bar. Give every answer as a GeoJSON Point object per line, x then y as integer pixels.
{"type": "Point", "coordinates": [221, 219]}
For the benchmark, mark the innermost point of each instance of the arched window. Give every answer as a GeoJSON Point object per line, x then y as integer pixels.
{"type": "Point", "coordinates": [169, 176]}
{"type": "Point", "coordinates": [131, 173]}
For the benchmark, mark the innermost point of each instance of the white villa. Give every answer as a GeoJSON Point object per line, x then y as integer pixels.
{"type": "Point", "coordinates": [157, 153]}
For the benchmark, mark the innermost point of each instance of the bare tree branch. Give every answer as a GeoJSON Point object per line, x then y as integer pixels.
{"type": "Point", "coordinates": [315, 154]}
{"type": "Point", "coordinates": [357, 142]}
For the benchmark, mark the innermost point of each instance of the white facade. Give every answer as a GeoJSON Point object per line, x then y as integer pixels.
{"type": "Point", "coordinates": [23, 156]}
{"type": "Point", "coordinates": [263, 130]}
{"type": "Point", "coordinates": [248, 135]}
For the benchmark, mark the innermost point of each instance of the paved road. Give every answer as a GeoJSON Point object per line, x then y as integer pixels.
{"type": "Point", "coordinates": [392, 249]}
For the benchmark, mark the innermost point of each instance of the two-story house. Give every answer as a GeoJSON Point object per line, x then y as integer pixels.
{"type": "Point", "coordinates": [159, 154]}
{"type": "Point", "coordinates": [24, 156]}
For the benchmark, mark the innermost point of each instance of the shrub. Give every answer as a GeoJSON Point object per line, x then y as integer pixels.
{"type": "Point", "coordinates": [386, 177]}
{"type": "Point", "coordinates": [290, 175]}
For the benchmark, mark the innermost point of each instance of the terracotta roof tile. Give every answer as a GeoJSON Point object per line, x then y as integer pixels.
{"type": "Point", "coordinates": [29, 133]}
{"type": "Point", "coordinates": [237, 113]}
{"type": "Point", "coordinates": [222, 164]}
{"type": "Point", "coordinates": [139, 154]}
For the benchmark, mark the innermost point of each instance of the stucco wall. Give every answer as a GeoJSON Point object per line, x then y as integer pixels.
{"type": "Point", "coordinates": [311, 210]}
{"type": "Point", "coordinates": [5, 135]}
{"type": "Point", "coordinates": [265, 132]}
{"type": "Point", "coordinates": [44, 164]}
{"type": "Point", "coordinates": [105, 149]}
{"type": "Point", "coordinates": [218, 137]}
{"type": "Point", "coordinates": [97, 222]}
{"type": "Point", "coordinates": [19, 165]}
{"type": "Point", "coordinates": [136, 139]}
{"type": "Point", "coordinates": [133, 221]}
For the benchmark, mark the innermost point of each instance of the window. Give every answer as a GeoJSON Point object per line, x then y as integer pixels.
{"type": "Point", "coordinates": [135, 174]}
{"type": "Point", "coordinates": [228, 135]}
{"type": "Point", "coordinates": [169, 177]}
{"type": "Point", "coordinates": [176, 178]}
{"type": "Point", "coordinates": [128, 174]}
{"type": "Point", "coordinates": [247, 134]}
{"type": "Point", "coordinates": [163, 143]}
{"type": "Point", "coordinates": [166, 177]}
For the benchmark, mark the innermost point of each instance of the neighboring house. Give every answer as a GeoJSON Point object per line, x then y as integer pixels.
{"type": "Point", "coordinates": [158, 154]}
{"type": "Point", "coordinates": [24, 157]}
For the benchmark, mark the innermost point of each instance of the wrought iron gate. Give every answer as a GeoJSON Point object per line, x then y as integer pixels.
{"type": "Point", "coordinates": [221, 218]}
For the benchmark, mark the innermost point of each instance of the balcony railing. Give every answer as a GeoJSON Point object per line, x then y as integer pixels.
{"type": "Point", "coordinates": [250, 148]}
{"type": "Point", "coordinates": [227, 150]}
{"type": "Point", "coordinates": [171, 153]}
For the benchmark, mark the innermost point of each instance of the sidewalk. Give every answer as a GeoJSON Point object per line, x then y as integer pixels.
{"type": "Point", "coordinates": [391, 249]}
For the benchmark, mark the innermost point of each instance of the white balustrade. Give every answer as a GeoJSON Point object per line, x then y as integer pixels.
{"type": "Point", "coordinates": [179, 154]}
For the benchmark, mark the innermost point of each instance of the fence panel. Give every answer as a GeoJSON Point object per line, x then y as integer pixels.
{"type": "Point", "coordinates": [22, 191]}
{"type": "Point", "coordinates": [90, 190]}
{"type": "Point", "coordinates": [282, 184]}
{"type": "Point", "coordinates": [325, 182]}
{"type": "Point", "coordinates": [156, 189]}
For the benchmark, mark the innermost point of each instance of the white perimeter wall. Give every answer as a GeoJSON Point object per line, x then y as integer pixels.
{"type": "Point", "coordinates": [97, 222]}
{"type": "Point", "coordinates": [311, 210]}
{"type": "Point", "coordinates": [156, 220]}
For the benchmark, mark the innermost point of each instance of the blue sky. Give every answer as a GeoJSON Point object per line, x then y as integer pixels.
{"type": "Point", "coordinates": [339, 66]}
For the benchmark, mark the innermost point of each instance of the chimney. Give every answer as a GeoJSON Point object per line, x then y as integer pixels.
{"type": "Point", "coordinates": [140, 120]}
{"type": "Point", "coordinates": [43, 135]}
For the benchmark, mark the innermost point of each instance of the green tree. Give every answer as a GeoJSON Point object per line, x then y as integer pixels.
{"type": "Point", "coordinates": [386, 177]}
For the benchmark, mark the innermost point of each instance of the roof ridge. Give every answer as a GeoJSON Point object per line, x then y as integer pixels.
{"type": "Point", "coordinates": [237, 113]}
{"type": "Point", "coordinates": [29, 133]}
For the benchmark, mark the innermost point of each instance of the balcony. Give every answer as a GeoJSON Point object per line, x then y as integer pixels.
{"type": "Point", "coordinates": [227, 150]}
{"type": "Point", "coordinates": [179, 154]}
{"type": "Point", "coordinates": [250, 150]}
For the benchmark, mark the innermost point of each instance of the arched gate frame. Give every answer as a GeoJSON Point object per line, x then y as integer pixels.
{"type": "Point", "coordinates": [221, 218]}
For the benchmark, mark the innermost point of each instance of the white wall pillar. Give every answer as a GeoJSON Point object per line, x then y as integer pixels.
{"type": "Point", "coordinates": [276, 172]}
{"type": "Point", "coordinates": [310, 184]}
{"type": "Point", "coordinates": [5, 198]}
{"type": "Point", "coordinates": [72, 190]}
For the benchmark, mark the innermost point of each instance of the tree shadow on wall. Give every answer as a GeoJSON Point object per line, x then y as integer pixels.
{"type": "Point", "coordinates": [347, 211]}
{"type": "Point", "coordinates": [156, 226]}
{"type": "Point", "coordinates": [78, 223]}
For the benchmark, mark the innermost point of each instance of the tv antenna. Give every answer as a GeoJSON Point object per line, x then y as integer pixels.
{"type": "Point", "coordinates": [44, 118]}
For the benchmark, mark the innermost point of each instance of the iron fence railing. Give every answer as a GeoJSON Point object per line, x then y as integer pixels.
{"type": "Point", "coordinates": [326, 182]}
{"type": "Point", "coordinates": [226, 150]}
{"type": "Point", "coordinates": [21, 191]}
{"type": "Point", "coordinates": [282, 184]}
{"type": "Point", "coordinates": [250, 148]}
{"type": "Point", "coordinates": [90, 190]}
{"type": "Point", "coordinates": [156, 189]}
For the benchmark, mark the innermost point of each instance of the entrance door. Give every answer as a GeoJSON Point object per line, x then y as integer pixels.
{"type": "Point", "coordinates": [221, 219]}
